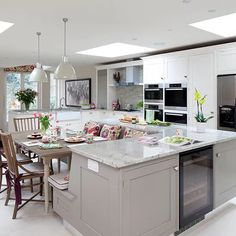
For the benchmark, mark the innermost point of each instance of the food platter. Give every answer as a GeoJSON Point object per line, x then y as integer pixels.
{"type": "Point", "coordinates": [35, 136]}
{"type": "Point", "coordinates": [176, 141]}
{"type": "Point", "coordinates": [74, 139]}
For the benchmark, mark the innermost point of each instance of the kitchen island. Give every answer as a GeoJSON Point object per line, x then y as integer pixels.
{"type": "Point", "coordinates": [126, 188]}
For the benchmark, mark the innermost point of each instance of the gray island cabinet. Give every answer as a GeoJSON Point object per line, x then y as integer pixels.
{"type": "Point", "coordinates": [137, 200]}
{"type": "Point", "coordinates": [224, 172]}
{"type": "Point", "coordinates": [125, 188]}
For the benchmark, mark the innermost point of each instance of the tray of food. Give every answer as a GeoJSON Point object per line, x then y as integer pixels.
{"type": "Point", "coordinates": [159, 123]}
{"type": "Point", "coordinates": [176, 140]}
{"type": "Point", "coordinates": [129, 119]}
{"type": "Point", "coordinates": [75, 139]}
{"type": "Point", "coordinates": [35, 135]}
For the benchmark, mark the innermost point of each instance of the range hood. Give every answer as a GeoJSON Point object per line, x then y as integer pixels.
{"type": "Point", "coordinates": [133, 76]}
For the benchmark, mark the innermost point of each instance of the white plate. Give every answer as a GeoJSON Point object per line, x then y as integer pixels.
{"type": "Point", "coordinates": [164, 140]}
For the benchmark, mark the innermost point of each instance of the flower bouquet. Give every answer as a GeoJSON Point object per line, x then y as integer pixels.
{"type": "Point", "coordinates": [200, 117]}
{"type": "Point", "coordinates": [44, 119]}
{"type": "Point", "coordinates": [26, 96]}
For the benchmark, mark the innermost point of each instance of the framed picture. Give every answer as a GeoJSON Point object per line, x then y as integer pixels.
{"type": "Point", "coordinates": [78, 92]}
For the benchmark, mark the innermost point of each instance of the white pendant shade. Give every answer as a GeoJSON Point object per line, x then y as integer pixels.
{"type": "Point", "coordinates": [65, 70]}
{"type": "Point", "coordinates": [38, 75]}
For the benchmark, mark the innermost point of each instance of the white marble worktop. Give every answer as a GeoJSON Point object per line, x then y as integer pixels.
{"type": "Point", "coordinates": [126, 152]}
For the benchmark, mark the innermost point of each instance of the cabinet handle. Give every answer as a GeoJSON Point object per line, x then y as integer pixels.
{"type": "Point", "coordinates": [176, 168]}
{"type": "Point", "coordinates": [218, 155]}
{"type": "Point", "coordinates": [162, 78]}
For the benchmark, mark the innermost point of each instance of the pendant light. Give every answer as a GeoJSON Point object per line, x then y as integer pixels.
{"type": "Point", "coordinates": [38, 74]}
{"type": "Point", "coordinates": [65, 70]}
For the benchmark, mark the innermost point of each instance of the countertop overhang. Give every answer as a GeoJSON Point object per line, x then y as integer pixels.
{"type": "Point", "coordinates": [127, 152]}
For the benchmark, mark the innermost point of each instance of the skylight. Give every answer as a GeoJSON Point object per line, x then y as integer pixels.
{"type": "Point", "coordinates": [116, 50]}
{"type": "Point", "coordinates": [223, 26]}
{"type": "Point", "coordinates": [4, 26]}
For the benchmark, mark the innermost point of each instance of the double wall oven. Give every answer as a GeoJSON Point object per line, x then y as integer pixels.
{"type": "Point", "coordinates": [176, 103]}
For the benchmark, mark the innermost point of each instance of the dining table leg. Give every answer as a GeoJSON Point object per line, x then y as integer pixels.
{"type": "Point", "coordinates": [46, 163]}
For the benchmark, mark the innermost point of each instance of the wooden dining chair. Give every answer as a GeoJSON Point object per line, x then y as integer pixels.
{"type": "Point", "coordinates": [16, 173]}
{"type": "Point", "coordinates": [21, 158]}
{"type": "Point", "coordinates": [26, 124]}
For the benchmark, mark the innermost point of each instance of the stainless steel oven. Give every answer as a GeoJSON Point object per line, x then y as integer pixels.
{"type": "Point", "coordinates": [173, 117]}
{"type": "Point", "coordinates": [153, 93]}
{"type": "Point", "coordinates": [176, 96]}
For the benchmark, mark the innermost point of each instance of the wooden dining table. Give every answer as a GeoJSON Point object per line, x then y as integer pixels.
{"type": "Point", "coordinates": [46, 155]}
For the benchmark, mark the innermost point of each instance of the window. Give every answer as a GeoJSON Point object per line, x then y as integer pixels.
{"type": "Point", "coordinates": [53, 91]}
{"type": "Point", "coordinates": [15, 82]}
{"type": "Point", "coordinates": [33, 86]}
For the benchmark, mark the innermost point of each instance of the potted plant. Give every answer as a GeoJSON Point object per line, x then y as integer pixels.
{"type": "Point", "coordinates": [139, 105]}
{"type": "Point", "coordinates": [200, 117]}
{"type": "Point", "coordinates": [26, 96]}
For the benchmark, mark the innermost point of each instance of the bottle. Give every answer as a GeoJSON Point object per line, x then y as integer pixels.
{"type": "Point", "coordinates": [118, 105]}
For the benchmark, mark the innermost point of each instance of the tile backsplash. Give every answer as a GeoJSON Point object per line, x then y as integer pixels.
{"type": "Point", "coordinates": [130, 95]}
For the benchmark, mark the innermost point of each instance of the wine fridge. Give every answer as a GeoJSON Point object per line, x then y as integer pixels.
{"type": "Point", "coordinates": [195, 186]}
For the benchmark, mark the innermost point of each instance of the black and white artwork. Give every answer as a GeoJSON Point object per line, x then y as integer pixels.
{"type": "Point", "coordinates": [78, 92]}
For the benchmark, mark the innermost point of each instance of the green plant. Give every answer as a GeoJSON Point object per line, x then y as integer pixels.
{"type": "Point", "coordinates": [139, 105]}
{"type": "Point", "coordinates": [44, 120]}
{"type": "Point", "coordinates": [26, 96]}
{"type": "Point", "coordinates": [201, 100]}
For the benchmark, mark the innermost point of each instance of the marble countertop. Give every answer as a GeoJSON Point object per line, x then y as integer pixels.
{"type": "Point", "coordinates": [126, 152]}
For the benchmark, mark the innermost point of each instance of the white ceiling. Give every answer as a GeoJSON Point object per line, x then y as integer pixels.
{"type": "Point", "coordinates": [159, 24]}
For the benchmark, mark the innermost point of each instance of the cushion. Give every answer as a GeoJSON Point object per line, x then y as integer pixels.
{"type": "Point", "coordinates": [92, 128]}
{"type": "Point", "coordinates": [132, 133]}
{"type": "Point", "coordinates": [110, 132]}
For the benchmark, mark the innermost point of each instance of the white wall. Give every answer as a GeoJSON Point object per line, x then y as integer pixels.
{"type": "Point", "coordinates": [82, 72]}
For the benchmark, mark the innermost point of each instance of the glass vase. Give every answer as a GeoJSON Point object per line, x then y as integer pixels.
{"type": "Point", "coordinates": [44, 129]}
{"type": "Point", "coordinates": [27, 106]}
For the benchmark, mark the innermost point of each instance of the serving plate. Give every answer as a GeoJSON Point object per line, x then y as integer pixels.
{"type": "Point", "coordinates": [34, 136]}
{"type": "Point", "coordinates": [166, 140]}
{"type": "Point", "coordinates": [74, 140]}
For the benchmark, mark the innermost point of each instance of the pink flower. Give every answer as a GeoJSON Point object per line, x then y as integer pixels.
{"type": "Point", "coordinates": [35, 115]}
{"type": "Point", "coordinates": [40, 115]}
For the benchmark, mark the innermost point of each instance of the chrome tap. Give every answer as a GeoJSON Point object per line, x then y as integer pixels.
{"type": "Point", "coordinates": [60, 103]}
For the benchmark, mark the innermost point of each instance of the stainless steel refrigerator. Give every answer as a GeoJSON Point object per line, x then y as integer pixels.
{"type": "Point", "coordinates": [226, 100]}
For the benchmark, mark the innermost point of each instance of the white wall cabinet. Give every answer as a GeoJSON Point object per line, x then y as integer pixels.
{"type": "Point", "coordinates": [226, 61]}
{"type": "Point", "coordinates": [153, 71]}
{"type": "Point", "coordinates": [202, 78]}
{"type": "Point", "coordinates": [176, 69]}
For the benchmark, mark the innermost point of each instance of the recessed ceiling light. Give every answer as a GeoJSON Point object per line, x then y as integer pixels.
{"type": "Point", "coordinates": [4, 26]}
{"type": "Point", "coordinates": [223, 26]}
{"type": "Point", "coordinates": [116, 50]}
